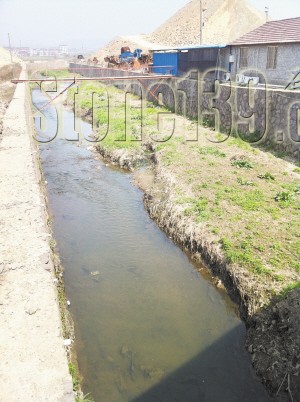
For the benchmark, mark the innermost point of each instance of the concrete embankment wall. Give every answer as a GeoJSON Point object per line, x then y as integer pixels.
{"type": "Point", "coordinates": [269, 116]}
{"type": "Point", "coordinates": [33, 365]}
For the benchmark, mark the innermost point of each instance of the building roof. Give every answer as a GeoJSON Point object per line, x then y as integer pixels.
{"type": "Point", "coordinates": [188, 47]}
{"type": "Point", "coordinates": [281, 31]}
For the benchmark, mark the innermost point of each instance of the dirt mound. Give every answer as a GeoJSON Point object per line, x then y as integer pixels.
{"type": "Point", "coordinates": [5, 57]}
{"type": "Point", "coordinates": [224, 21]}
{"type": "Point", "coordinates": [113, 48]}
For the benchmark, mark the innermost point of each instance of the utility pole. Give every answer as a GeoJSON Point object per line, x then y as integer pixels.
{"type": "Point", "coordinates": [9, 44]}
{"type": "Point", "coordinates": [267, 13]}
{"type": "Point", "coordinates": [201, 21]}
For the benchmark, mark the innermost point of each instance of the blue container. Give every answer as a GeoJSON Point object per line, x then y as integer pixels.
{"type": "Point", "coordinates": [165, 63]}
{"type": "Point", "coordinates": [126, 56]}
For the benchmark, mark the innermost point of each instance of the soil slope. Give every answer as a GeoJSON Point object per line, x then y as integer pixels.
{"type": "Point", "coordinates": [224, 20]}
{"type": "Point", "coordinates": [5, 57]}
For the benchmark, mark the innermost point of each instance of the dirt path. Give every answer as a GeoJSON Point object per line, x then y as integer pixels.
{"type": "Point", "coordinates": [33, 365]}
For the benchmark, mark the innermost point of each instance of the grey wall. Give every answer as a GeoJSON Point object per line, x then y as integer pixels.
{"type": "Point", "coordinates": [270, 116]}
{"type": "Point", "coordinates": [288, 60]}
{"type": "Point", "coordinates": [90, 71]}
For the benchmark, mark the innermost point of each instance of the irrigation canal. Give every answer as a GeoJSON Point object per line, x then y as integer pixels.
{"type": "Point", "coordinates": [149, 327]}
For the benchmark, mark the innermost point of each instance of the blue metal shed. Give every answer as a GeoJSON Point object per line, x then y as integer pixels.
{"type": "Point", "coordinates": [179, 60]}
{"type": "Point", "coordinates": [165, 63]}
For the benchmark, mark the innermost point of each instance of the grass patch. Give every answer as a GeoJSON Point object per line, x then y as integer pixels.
{"type": "Point", "coordinates": [250, 200]}
{"type": "Point", "coordinates": [117, 126]}
{"type": "Point", "coordinates": [197, 207]}
{"type": "Point", "coordinates": [84, 398]}
{"type": "Point", "coordinates": [243, 182]}
{"type": "Point", "coordinates": [211, 151]}
{"type": "Point", "coordinates": [289, 288]}
{"type": "Point", "coordinates": [239, 143]}
{"type": "Point", "coordinates": [267, 176]}
{"type": "Point", "coordinates": [64, 73]}
{"type": "Point", "coordinates": [242, 164]}
{"type": "Point", "coordinates": [73, 370]}
{"type": "Point", "coordinates": [284, 198]}
{"type": "Point", "coordinates": [243, 254]}
{"type": "Point", "coordinates": [297, 190]}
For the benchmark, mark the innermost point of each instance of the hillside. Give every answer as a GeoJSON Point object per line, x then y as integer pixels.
{"type": "Point", "coordinates": [224, 21]}
{"type": "Point", "coordinates": [5, 57]}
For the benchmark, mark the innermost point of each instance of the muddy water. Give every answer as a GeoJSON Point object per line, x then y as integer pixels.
{"type": "Point", "coordinates": [149, 327]}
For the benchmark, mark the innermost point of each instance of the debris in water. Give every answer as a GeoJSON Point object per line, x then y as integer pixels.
{"type": "Point", "coordinates": [68, 303]}
{"type": "Point", "coordinates": [125, 351]}
{"type": "Point", "coordinates": [132, 368]}
{"type": "Point", "coordinates": [120, 382]}
{"type": "Point", "coordinates": [151, 372]}
{"type": "Point", "coordinates": [95, 273]}
{"type": "Point", "coordinates": [67, 342]}
{"type": "Point", "coordinates": [110, 359]}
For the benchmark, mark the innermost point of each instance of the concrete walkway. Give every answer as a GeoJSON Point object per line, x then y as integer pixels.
{"type": "Point", "coordinates": [33, 363]}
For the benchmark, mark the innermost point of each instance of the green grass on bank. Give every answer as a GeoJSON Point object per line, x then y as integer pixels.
{"type": "Point", "coordinates": [73, 370]}
{"type": "Point", "coordinates": [118, 125]}
{"type": "Point", "coordinates": [250, 203]}
{"type": "Point", "coordinates": [248, 200]}
{"type": "Point", "coordinates": [58, 73]}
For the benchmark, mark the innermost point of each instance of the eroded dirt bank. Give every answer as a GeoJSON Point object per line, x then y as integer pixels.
{"type": "Point", "coordinates": [33, 364]}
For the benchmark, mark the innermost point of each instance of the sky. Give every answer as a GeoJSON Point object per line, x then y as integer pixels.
{"type": "Point", "coordinates": [89, 24]}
